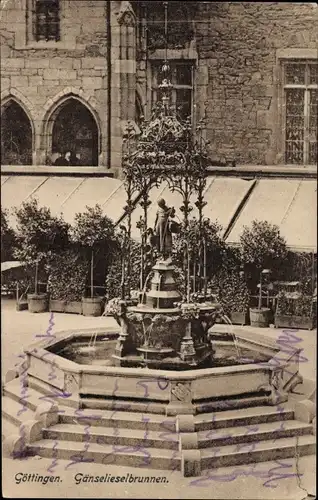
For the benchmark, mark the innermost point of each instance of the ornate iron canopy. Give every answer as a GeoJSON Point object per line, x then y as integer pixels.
{"type": "Point", "coordinates": [166, 149]}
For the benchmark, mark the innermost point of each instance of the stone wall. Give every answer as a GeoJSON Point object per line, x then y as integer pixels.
{"type": "Point", "coordinates": [42, 74]}
{"type": "Point", "coordinates": [238, 48]}
{"type": "Point", "coordinates": [241, 44]}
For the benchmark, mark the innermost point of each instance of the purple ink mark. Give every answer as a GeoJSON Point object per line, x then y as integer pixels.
{"type": "Point", "coordinates": [58, 393]}
{"type": "Point", "coordinates": [272, 475]}
{"type": "Point", "coordinates": [278, 476]}
{"type": "Point", "coordinates": [80, 457]}
{"type": "Point", "coordinates": [117, 449]}
{"type": "Point", "coordinates": [212, 432]}
{"type": "Point", "coordinates": [160, 380]}
{"type": "Point", "coordinates": [24, 388]}
{"type": "Point", "coordinates": [52, 376]}
{"type": "Point", "coordinates": [228, 477]}
{"type": "Point", "coordinates": [167, 434]}
{"type": "Point", "coordinates": [54, 463]}
{"type": "Point", "coordinates": [48, 333]}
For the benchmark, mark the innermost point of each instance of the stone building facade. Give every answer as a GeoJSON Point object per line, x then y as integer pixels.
{"type": "Point", "coordinates": [72, 79]}
{"type": "Point", "coordinates": [73, 72]}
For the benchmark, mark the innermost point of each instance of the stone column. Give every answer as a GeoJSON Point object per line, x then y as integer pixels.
{"type": "Point", "coordinates": [123, 76]}
{"type": "Point", "coordinates": [187, 351]}
{"type": "Point", "coordinates": [38, 154]}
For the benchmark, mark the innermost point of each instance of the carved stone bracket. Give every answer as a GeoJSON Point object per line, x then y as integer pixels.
{"type": "Point", "coordinates": [180, 399]}
{"type": "Point", "coordinates": [71, 382]}
{"type": "Point", "coordinates": [278, 394]}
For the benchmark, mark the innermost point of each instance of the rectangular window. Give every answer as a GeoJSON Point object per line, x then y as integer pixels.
{"type": "Point", "coordinates": [182, 87]}
{"type": "Point", "coordinates": [47, 20]}
{"type": "Point", "coordinates": [301, 97]}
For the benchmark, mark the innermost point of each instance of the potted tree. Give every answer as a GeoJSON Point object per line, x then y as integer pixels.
{"type": "Point", "coordinates": [230, 288]}
{"type": "Point", "coordinates": [8, 238]}
{"type": "Point", "coordinates": [215, 247]}
{"type": "Point", "coordinates": [260, 316]}
{"type": "Point", "coordinates": [115, 279]}
{"type": "Point", "coordinates": [94, 235]}
{"type": "Point", "coordinates": [294, 310]}
{"type": "Point", "coordinates": [233, 294]}
{"type": "Point", "coordinates": [40, 237]}
{"type": "Point", "coordinates": [262, 252]}
{"type": "Point", "coordinates": [66, 282]}
{"type": "Point", "coordinates": [239, 312]}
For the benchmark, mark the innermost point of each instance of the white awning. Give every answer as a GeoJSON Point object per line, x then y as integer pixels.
{"type": "Point", "coordinates": [11, 264]}
{"type": "Point", "coordinates": [233, 202]}
{"type": "Point", "coordinates": [290, 204]}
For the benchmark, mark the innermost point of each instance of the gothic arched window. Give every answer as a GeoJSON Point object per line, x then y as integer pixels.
{"type": "Point", "coordinates": [16, 135]}
{"type": "Point", "coordinates": [75, 130]}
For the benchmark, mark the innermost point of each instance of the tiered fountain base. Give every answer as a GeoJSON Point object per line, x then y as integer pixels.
{"type": "Point", "coordinates": [175, 417]}
{"type": "Point", "coordinates": [161, 331]}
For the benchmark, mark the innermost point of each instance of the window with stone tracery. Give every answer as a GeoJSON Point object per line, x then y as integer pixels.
{"type": "Point", "coordinates": [182, 86]}
{"type": "Point", "coordinates": [46, 25]}
{"type": "Point", "coordinates": [301, 99]}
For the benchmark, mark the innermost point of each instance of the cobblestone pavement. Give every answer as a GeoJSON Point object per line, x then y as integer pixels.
{"type": "Point", "coordinates": [19, 330]}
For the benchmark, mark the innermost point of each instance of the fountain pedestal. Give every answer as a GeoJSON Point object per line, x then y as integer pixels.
{"type": "Point", "coordinates": [161, 331]}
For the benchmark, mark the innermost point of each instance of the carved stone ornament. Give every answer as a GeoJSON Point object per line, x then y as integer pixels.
{"type": "Point", "coordinates": [70, 382]}
{"type": "Point", "coordinates": [181, 391]}
{"type": "Point", "coordinates": [190, 311]}
{"type": "Point", "coordinates": [126, 15]}
{"type": "Point", "coordinates": [277, 380]}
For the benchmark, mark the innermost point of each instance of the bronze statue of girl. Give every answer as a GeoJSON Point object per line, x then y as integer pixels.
{"type": "Point", "coordinates": [164, 228]}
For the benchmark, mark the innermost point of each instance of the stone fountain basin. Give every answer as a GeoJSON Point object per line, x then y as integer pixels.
{"type": "Point", "coordinates": [165, 325]}
{"type": "Point", "coordinates": [174, 391]}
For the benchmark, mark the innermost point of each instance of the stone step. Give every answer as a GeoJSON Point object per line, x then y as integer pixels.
{"type": "Point", "coordinates": [252, 433]}
{"type": "Point", "coordinates": [9, 429]}
{"type": "Point", "coordinates": [94, 403]}
{"type": "Point", "coordinates": [121, 419]}
{"type": "Point", "coordinates": [75, 452]}
{"type": "Point", "coordinates": [106, 418]}
{"type": "Point", "coordinates": [30, 398]}
{"type": "Point", "coordinates": [115, 435]}
{"type": "Point", "coordinates": [15, 412]}
{"type": "Point", "coordinates": [241, 402]}
{"type": "Point", "coordinates": [261, 451]}
{"type": "Point", "coordinates": [243, 416]}
{"type": "Point", "coordinates": [51, 393]}
{"type": "Point", "coordinates": [128, 405]}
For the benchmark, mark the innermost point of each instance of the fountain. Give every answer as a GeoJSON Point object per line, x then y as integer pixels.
{"type": "Point", "coordinates": [161, 331]}
{"type": "Point", "coordinates": [164, 358]}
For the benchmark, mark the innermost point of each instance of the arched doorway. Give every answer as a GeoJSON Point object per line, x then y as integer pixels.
{"type": "Point", "coordinates": [16, 135]}
{"type": "Point", "coordinates": [75, 129]}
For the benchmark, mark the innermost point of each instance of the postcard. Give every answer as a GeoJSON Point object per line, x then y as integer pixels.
{"type": "Point", "coordinates": [158, 249]}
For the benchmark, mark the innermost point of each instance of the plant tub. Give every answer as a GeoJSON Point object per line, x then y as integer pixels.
{"type": "Point", "coordinates": [37, 303]}
{"type": "Point", "coordinates": [57, 305]}
{"type": "Point", "coordinates": [260, 317]}
{"type": "Point", "coordinates": [239, 317]}
{"type": "Point", "coordinates": [74, 307]}
{"type": "Point", "coordinates": [299, 322]}
{"type": "Point", "coordinates": [92, 306]}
